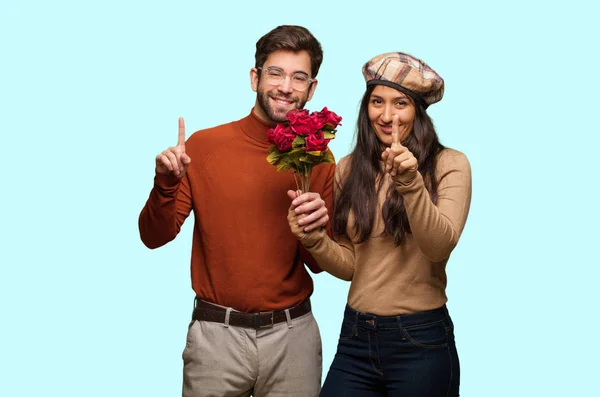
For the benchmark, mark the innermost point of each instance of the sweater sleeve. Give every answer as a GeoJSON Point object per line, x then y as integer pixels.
{"type": "Point", "coordinates": [169, 204]}
{"type": "Point", "coordinates": [325, 186]}
{"type": "Point", "coordinates": [437, 227]}
{"type": "Point", "coordinates": [335, 257]}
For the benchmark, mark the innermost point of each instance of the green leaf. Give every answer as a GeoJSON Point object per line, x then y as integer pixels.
{"type": "Point", "coordinates": [307, 159]}
{"type": "Point", "coordinates": [316, 153]}
{"type": "Point", "coordinates": [283, 166]}
{"type": "Point", "coordinates": [299, 141]}
{"type": "Point", "coordinates": [327, 160]}
{"type": "Point", "coordinates": [295, 155]}
{"type": "Point", "coordinates": [274, 155]}
{"type": "Point", "coordinates": [328, 134]}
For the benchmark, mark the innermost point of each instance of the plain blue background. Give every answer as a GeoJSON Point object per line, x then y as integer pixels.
{"type": "Point", "coordinates": [90, 92]}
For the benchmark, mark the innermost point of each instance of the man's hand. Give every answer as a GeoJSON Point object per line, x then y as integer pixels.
{"type": "Point", "coordinates": [310, 209]}
{"type": "Point", "coordinates": [174, 160]}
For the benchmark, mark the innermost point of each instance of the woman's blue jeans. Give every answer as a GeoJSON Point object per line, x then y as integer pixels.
{"type": "Point", "coordinates": [409, 355]}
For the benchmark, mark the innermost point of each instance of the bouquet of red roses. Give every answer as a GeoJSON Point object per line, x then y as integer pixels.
{"type": "Point", "coordinates": [301, 143]}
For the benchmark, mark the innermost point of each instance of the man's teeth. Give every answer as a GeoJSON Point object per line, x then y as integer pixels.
{"type": "Point", "coordinates": [282, 102]}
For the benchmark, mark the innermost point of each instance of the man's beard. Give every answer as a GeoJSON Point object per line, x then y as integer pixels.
{"type": "Point", "coordinates": [277, 117]}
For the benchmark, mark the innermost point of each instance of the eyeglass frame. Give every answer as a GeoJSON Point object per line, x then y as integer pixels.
{"type": "Point", "coordinates": [310, 80]}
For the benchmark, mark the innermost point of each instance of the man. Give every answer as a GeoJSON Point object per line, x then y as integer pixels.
{"type": "Point", "coordinates": [252, 331]}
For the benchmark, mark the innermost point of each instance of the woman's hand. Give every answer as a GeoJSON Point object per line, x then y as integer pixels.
{"type": "Point", "coordinates": [399, 162]}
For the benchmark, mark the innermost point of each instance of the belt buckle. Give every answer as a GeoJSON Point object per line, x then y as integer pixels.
{"type": "Point", "coordinates": [257, 317]}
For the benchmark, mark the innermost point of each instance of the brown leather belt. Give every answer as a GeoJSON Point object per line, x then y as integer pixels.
{"type": "Point", "coordinates": [206, 311]}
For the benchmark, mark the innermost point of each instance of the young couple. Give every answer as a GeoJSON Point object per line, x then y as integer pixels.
{"type": "Point", "coordinates": [386, 219]}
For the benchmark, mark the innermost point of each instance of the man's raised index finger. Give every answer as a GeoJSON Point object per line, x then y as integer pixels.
{"type": "Point", "coordinates": [181, 135]}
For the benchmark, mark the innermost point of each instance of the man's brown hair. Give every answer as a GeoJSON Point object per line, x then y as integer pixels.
{"type": "Point", "coordinates": [290, 38]}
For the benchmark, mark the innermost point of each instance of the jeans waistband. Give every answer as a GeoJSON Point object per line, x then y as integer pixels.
{"type": "Point", "coordinates": [372, 321]}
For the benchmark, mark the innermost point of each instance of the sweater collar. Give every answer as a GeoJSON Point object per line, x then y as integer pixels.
{"type": "Point", "coordinates": [255, 128]}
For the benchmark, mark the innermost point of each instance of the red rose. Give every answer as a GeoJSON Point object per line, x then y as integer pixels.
{"type": "Point", "coordinates": [281, 136]}
{"type": "Point", "coordinates": [295, 114]}
{"type": "Point", "coordinates": [316, 142]}
{"type": "Point", "coordinates": [333, 119]}
{"type": "Point", "coordinates": [317, 120]}
{"type": "Point", "coordinates": [300, 122]}
{"type": "Point", "coordinates": [303, 126]}
{"type": "Point", "coordinates": [326, 116]}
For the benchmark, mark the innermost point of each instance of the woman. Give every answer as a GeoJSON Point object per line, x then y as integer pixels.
{"type": "Point", "coordinates": [401, 202]}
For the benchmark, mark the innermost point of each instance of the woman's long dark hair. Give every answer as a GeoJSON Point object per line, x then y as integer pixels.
{"type": "Point", "coordinates": [364, 178]}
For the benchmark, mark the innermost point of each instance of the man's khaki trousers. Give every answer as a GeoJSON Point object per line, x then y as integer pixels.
{"type": "Point", "coordinates": [220, 360]}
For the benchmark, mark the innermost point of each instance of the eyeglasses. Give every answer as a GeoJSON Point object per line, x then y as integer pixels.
{"type": "Point", "coordinates": [276, 76]}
